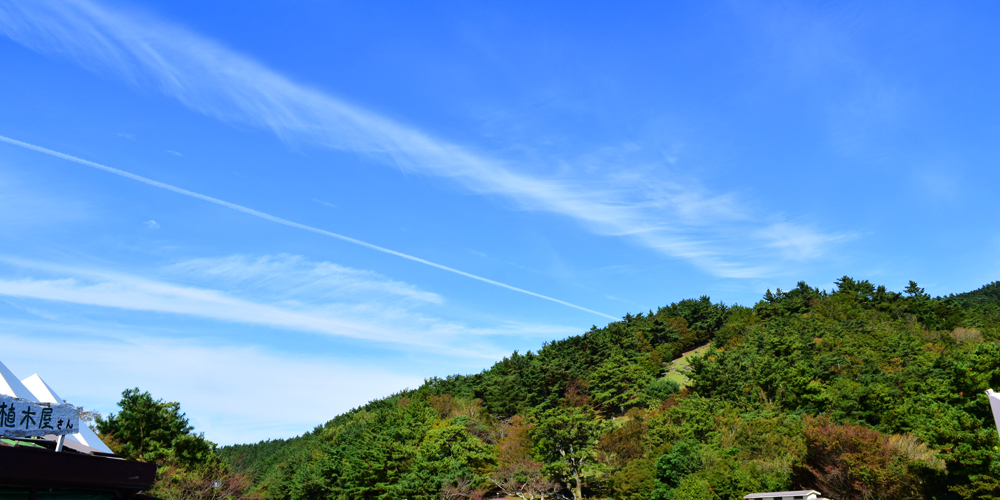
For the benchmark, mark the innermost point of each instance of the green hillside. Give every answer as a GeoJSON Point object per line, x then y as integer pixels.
{"type": "Point", "coordinates": [858, 393]}
{"type": "Point", "coordinates": [988, 294]}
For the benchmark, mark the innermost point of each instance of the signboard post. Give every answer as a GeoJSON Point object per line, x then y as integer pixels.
{"type": "Point", "coordinates": [23, 418]}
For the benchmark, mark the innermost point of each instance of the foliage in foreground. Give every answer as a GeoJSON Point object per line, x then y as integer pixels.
{"type": "Point", "coordinates": [156, 431]}
{"type": "Point", "coordinates": [861, 393]}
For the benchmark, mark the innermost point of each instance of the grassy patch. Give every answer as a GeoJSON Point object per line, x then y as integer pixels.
{"type": "Point", "coordinates": [676, 370]}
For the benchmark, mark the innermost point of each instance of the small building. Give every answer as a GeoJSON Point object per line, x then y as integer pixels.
{"type": "Point", "coordinates": [48, 455]}
{"type": "Point", "coordinates": [787, 495]}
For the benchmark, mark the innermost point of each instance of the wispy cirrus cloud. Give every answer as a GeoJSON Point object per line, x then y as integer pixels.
{"type": "Point", "coordinates": [286, 222]}
{"type": "Point", "coordinates": [214, 382]}
{"type": "Point", "coordinates": [293, 276]}
{"type": "Point", "coordinates": [677, 219]}
{"type": "Point", "coordinates": [283, 292]}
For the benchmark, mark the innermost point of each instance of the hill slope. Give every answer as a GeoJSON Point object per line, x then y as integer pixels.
{"type": "Point", "coordinates": [859, 393]}
{"type": "Point", "coordinates": [988, 294]}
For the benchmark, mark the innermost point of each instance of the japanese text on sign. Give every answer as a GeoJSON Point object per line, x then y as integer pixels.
{"type": "Point", "coordinates": [22, 418]}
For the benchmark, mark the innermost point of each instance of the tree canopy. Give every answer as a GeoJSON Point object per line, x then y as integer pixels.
{"type": "Point", "coordinates": [157, 431]}
{"type": "Point", "coordinates": [858, 392]}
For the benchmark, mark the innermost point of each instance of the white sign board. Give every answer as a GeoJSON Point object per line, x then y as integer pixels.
{"type": "Point", "coordinates": [23, 418]}
{"type": "Point", "coordinates": [995, 405]}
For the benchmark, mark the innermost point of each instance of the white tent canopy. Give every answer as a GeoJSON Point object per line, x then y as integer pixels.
{"type": "Point", "coordinates": [43, 393]}
{"type": "Point", "coordinates": [11, 386]}
{"type": "Point", "coordinates": [995, 405]}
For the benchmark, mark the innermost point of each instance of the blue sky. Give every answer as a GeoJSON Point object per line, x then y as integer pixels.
{"type": "Point", "coordinates": [223, 201]}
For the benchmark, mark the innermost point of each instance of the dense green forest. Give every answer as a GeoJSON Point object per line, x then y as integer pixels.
{"type": "Point", "coordinates": [858, 393]}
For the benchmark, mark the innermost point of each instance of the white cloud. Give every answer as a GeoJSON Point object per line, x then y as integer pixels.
{"type": "Point", "coordinates": [32, 311]}
{"type": "Point", "coordinates": [678, 219]}
{"type": "Point", "coordinates": [231, 389]}
{"type": "Point", "coordinates": [272, 291]}
{"type": "Point", "coordinates": [325, 203]}
{"type": "Point", "coordinates": [292, 276]}
{"type": "Point", "coordinates": [798, 242]}
{"type": "Point", "coordinates": [232, 393]}
{"type": "Point", "coordinates": [151, 224]}
{"type": "Point", "coordinates": [286, 222]}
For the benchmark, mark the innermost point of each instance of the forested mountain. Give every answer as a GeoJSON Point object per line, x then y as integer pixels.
{"type": "Point", "coordinates": [858, 393]}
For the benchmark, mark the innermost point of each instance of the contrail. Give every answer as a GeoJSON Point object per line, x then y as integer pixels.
{"type": "Point", "coordinates": [286, 222]}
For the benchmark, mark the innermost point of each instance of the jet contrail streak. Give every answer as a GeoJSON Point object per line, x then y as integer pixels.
{"type": "Point", "coordinates": [286, 222]}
